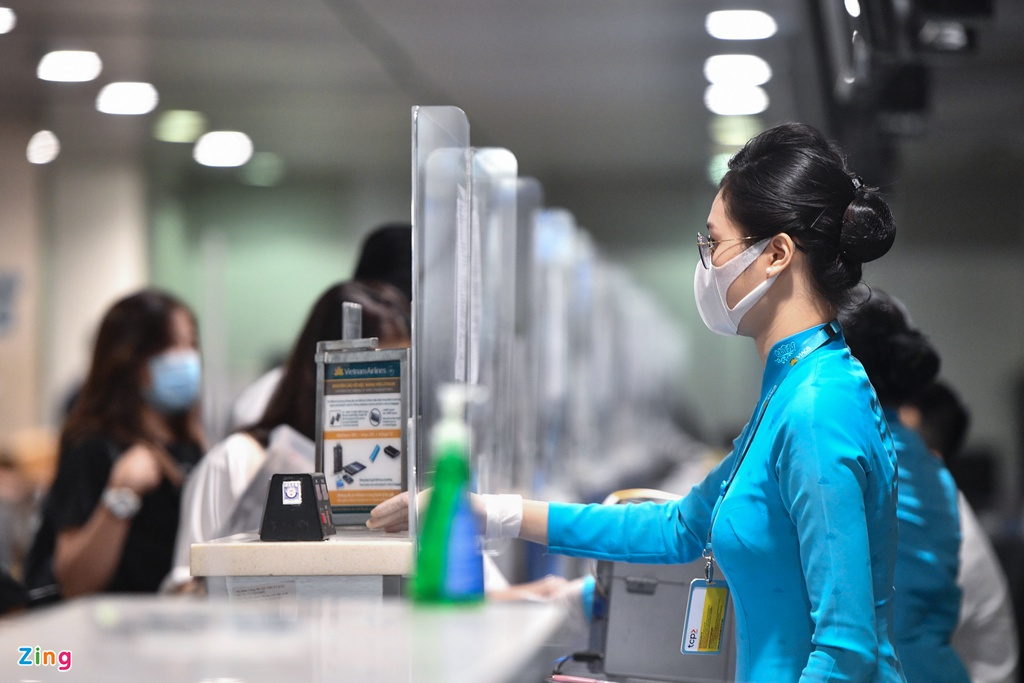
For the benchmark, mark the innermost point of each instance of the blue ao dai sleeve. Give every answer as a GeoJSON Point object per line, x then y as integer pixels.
{"type": "Point", "coordinates": [651, 533]}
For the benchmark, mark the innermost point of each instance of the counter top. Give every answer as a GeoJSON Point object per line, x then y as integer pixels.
{"type": "Point", "coordinates": [352, 551]}
{"type": "Point", "coordinates": [185, 640]}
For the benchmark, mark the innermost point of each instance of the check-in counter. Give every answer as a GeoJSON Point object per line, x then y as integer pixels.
{"type": "Point", "coordinates": [189, 640]}
{"type": "Point", "coordinates": [355, 562]}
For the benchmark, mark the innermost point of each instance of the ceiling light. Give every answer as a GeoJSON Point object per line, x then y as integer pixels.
{"type": "Point", "coordinates": [734, 131]}
{"type": "Point", "coordinates": [740, 25]}
{"type": "Point", "coordinates": [179, 125]}
{"type": "Point", "coordinates": [852, 8]}
{"type": "Point", "coordinates": [731, 100]}
{"type": "Point", "coordinates": [737, 70]}
{"type": "Point", "coordinates": [718, 164]}
{"type": "Point", "coordinates": [7, 20]}
{"type": "Point", "coordinates": [69, 66]}
{"type": "Point", "coordinates": [42, 148]}
{"type": "Point", "coordinates": [127, 97]}
{"type": "Point", "coordinates": [223, 149]}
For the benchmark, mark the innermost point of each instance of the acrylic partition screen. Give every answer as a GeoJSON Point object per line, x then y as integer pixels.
{"type": "Point", "coordinates": [492, 291]}
{"type": "Point", "coordinates": [529, 200]}
{"type": "Point", "coordinates": [605, 361]}
{"type": "Point", "coordinates": [440, 189]}
{"type": "Point", "coordinates": [554, 298]}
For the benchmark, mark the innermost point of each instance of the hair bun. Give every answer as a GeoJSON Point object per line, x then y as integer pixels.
{"type": "Point", "coordinates": [868, 227]}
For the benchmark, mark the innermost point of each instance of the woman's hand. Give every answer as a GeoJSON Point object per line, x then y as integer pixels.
{"type": "Point", "coordinates": [138, 468]}
{"type": "Point", "coordinates": [393, 514]}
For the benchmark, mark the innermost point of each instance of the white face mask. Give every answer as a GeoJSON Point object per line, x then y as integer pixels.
{"type": "Point", "coordinates": [710, 286]}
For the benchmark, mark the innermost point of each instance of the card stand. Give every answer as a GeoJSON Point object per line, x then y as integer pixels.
{"type": "Point", "coordinates": [298, 509]}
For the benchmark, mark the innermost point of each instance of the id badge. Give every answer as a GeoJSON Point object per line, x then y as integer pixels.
{"type": "Point", "coordinates": [705, 617]}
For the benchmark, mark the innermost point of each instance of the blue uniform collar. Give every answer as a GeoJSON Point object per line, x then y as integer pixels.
{"type": "Point", "coordinates": [790, 350]}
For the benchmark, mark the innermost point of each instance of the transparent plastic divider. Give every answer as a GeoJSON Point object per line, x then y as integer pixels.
{"type": "Point", "coordinates": [529, 201]}
{"type": "Point", "coordinates": [555, 244]}
{"type": "Point", "coordinates": [492, 314]}
{"type": "Point", "coordinates": [440, 189]}
{"type": "Point", "coordinates": [585, 446]}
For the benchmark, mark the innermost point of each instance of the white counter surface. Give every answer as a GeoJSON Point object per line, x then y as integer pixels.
{"type": "Point", "coordinates": [353, 551]}
{"type": "Point", "coordinates": [185, 640]}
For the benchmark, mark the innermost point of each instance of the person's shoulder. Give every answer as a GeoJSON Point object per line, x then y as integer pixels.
{"type": "Point", "coordinates": [233, 457]}
{"type": "Point", "coordinates": [235, 445]}
{"type": "Point", "coordinates": [824, 372]}
{"type": "Point", "coordinates": [89, 448]}
{"type": "Point", "coordinates": [827, 386]}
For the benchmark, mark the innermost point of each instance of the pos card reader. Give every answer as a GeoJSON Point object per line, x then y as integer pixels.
{"type": "Point", "coordinates": [298, 509]}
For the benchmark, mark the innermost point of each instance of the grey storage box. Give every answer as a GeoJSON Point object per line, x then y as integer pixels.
{"type": "Point", "coordinates": [640, 633]}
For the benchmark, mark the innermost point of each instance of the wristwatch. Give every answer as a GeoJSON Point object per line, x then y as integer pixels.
{"type": "Point", "coordinates": [122, 502]}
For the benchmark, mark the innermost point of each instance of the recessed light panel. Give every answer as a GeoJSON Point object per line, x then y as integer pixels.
{"type": "Point", "coordinates": [727, 100]}
{"type": "Point", "coordinates": [127, 97]}
{"type": "Point", "coordinates": [223, 148]}
{"type": "Point", "coordinates": [8, 20]}
{"type": "Point", "coordinates": [179, 125]}
{"type": "Point", "coordinates": [42, 148]}
{"type": "Point", "coordinates": [737, 70]}
{"type": "Point", "coordinates": [69, 66]}
{"type": "Point", "coordinates": [740, 25]}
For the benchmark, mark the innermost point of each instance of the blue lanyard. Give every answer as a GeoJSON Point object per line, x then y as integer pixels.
{"type": "Point", "coordinates": [823, 336]}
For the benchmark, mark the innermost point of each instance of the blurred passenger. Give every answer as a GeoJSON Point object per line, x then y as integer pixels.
{"type": "Point", "coordinates": [986, 635]}
{"type": "Point", "coordinates": [287, 429]}
{"type": "Point", "coordinates": [110, 517]}
{"type": "Point", "coordinates": [900, 362]}
{"type": "Point", "coordinates": [385, 256]}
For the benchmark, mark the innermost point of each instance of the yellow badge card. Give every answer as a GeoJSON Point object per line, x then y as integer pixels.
{"type": "Point", "coordinates": [705, 617]}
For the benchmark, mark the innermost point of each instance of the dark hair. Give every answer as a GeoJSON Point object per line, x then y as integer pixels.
{"type": "Point", "coordinates": [386, 256]}
{"type": "Point", "coordinates": [944, 419]}
{"type": "Point", "coordinates": [898, 358]}
{"type": "Point", "coordinates": [110, 403]}
{"type": "Point", "coordinates": [790, 179]}
{"type": "Point", "coordinates": [385, 316]}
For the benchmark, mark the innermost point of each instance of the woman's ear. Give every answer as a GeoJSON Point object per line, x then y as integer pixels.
{"type": "Point", "coordinates": [780, 253]}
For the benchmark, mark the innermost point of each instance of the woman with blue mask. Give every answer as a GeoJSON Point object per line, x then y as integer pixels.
{"type": "Point", "coordinates": [111, 515]}
{"type": "Point", "coordinates": [798, 523]}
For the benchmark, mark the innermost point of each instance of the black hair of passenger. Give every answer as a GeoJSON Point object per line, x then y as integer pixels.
{"type": "Point", "coordinates": [899, 360]}
{"type": "Point", "coordinates": [945, 419]}
{"type": "Point", "coordinates": [386, 256]}
{"type": "Point", "coordinates": [386, 315]}
{"type": "Point", "coordinates": [791, 179]}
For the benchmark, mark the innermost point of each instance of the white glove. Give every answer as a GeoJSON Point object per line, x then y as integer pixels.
{"type": "Point", "coordinates": [503, 513]}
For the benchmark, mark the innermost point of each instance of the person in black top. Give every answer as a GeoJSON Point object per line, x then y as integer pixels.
{"type": "Point", "coordinates": [111, 515]}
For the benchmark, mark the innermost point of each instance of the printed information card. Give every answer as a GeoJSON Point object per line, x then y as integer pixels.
{"type": "Point", "coordinates": [362, 414]}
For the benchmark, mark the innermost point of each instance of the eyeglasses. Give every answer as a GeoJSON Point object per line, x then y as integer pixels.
{"type": "Point", "coordinates": [706, 246]}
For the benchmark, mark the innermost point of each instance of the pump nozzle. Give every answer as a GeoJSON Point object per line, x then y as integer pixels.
{"type": "Point", "coordinates": [451, 429]}
{"type": "Point", "coordinates": [454, 397]}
